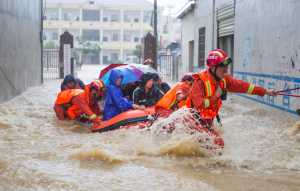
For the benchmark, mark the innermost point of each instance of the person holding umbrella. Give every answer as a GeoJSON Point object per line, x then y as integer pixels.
{"type": "Point", "coordinates": [115, 102]}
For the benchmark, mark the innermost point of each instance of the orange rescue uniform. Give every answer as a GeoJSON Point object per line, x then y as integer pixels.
{"type": "Point", "coordinates": [77, 102]}
{"type": "Point", "coordinates": [171, 96]}
{"type": "Point", "coordinates": [203, 95]}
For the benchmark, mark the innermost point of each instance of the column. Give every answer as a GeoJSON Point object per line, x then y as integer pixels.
{"type": "Point", "coordinates": [101, 35]}
{"type": "Point", "coordinates": [142, 23]}
{"type": "Point", "coordinates": [122, 21]}
{"type": "Point", "coordinates": [80, 21]}
{"type": "Point", "coordinates": [59, 21]}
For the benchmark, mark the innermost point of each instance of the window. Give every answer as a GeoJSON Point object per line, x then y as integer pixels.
{"type": "Point", "coordinates": [201, 47]}
{"type": "Point", "coordinates": [91, 35]}
{"type": "Point", "coordinates": [105, 38]}
{"type": "Point", "coordinates": [53, 16]}
{"type": "Point", "coordinates": [91, 2]}
{"type": "Point", "coordinates": [105, 19]}
{"type": "Point", "coordinates": [126, 18]}
{"type": "Point", "coordinates": [105, 60]}
{"type": "Point", "coordinates": [114, 57]}
{"type": "Point", "coordinates": [67, 16]}
{"type": "Point", "coordinates": [136, 20]}
{"type": "Point", "coordinates": [115, 37]}
{"type": "Point", "coordinates": [90, 15]}
{"type": "Point", "coordinates": [114, 18]}
{"type": "Point", "coordinates": [54, 36]}
{"type": "Point", "coordinates": [136, 39]}
{"type": "Point", "coordinates": [127, 38]}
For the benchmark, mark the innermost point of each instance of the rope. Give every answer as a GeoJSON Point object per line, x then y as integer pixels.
{"type": "Point", "coordinates": [12, 85]}
{"type": "Point", "coordinates": [285, 109]}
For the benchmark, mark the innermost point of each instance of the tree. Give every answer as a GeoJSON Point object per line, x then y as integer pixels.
{"type": "Point", "coordinates": [50, 45]}
{"type": "Point", "coordinates": [87, 47]}
{"type": "Point", "coordinates": [137, 50]}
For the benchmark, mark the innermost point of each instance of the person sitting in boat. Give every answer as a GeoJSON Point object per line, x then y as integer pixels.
{"type": "Point", "coordinates": [211, 86]}
{"type": "Point", "coordinates": [162, 85]}
{"type": "Point", "coordinates": [177, 97]}
{"type": "Point", "coordinates": [71, 104]}
{"type": "Point", "coordinates": [70, 82]}
{"type": "Point", "coordinates": [146, 94]}
{"type": "Point", "coordinates": [115, 102]}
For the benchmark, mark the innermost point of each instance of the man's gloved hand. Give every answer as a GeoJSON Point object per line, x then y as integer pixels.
{"type": "Point", "coordinates": [84, 119]}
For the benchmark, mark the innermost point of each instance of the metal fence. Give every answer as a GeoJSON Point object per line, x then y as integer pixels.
{"type": "Point", "coordinates": [168, 67]}
{"type": "Point", "coordinates": [51, 66]}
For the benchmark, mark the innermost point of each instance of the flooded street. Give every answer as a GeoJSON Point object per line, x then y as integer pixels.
{"type": "Point", "coordinates": [39, 152]}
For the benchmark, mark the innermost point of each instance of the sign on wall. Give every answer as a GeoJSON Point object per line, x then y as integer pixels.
{"type": "Point", "coordinates": [67, 59]}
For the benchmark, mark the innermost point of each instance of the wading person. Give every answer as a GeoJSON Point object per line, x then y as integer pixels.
{"type": "Point", "coordinates": [115, 102]}
{"type": "Point", "coordinates": [146, 94]}
{"type": "Point", "coordinates": [70, 82]}
{"type": "Point", "coordinates": [177, 97]}
{"type": "Point", "coordinates": [71, 104]}
{"type": "Point", "coordinates": [212, 84]}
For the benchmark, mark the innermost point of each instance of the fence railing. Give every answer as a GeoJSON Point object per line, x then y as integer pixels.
{"type": "Point", "coordinates": [166, 66]}
{"type": "Point", "coordinates": [51, 65]}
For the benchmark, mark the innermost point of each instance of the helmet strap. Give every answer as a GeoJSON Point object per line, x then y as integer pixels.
{"type": "Point", "coordinates": [214, 73]}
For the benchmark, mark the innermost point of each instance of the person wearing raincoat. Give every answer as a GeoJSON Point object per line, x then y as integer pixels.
{"type": "Point", "coordinates": [115, 102]}
{"type": "Point", "coordinates": [70, 82]}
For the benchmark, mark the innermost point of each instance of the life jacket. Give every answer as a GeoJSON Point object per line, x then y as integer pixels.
{"type": "Point", "coordinates": [65, 97]}
{"type": "Point", "coordinates": [210, 111]}
{"type": "Point", "coordinates": [170, 97]}
{"type": "Point", "coordinates": [77, 86]}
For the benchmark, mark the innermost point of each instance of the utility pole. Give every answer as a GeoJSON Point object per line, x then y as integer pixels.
{"type": "Point", "coordinates": [155, 19]}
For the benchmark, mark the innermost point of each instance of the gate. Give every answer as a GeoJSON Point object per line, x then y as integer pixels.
{"type": "Point", "coordinates": [168, 67]}
{"type": "Point", "coordinates": [51, 66]}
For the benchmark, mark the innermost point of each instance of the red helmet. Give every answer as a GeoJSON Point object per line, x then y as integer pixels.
{"type": "Point", "coordinates": [188, 77]}
{"type": "Point", "coordinates": [217, 57]}
{"type": "Point", "coordinates": [98, 85]}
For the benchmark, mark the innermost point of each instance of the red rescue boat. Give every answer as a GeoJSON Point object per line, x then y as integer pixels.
{"type": "Point", "coordinates": [142, 119]}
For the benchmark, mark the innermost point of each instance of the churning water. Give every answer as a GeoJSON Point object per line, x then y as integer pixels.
{"type": "Point", "coordinates": [39, 152]}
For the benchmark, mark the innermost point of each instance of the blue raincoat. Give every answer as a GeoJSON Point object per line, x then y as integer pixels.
{"type": "Point", "coordinates": [115, 102]}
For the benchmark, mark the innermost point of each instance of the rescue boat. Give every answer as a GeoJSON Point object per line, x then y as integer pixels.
{"type": "Point", "coordinates": [142, 119]}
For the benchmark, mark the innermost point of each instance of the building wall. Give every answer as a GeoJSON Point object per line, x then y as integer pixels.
{"type": "Point", "coordinates": [20, 46]}
{"type": "Point", "coordinates": [267, 44]}
{"type": "Point", "coordinates": [266, 47]}
{"type": "Point", "coordinates": [187, 26]}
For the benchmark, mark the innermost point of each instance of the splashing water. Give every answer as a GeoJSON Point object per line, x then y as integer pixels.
{"type": "Point", "coordinates": [39, 152]}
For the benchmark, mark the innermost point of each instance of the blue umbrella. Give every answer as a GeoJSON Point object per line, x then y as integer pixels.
{"type": "Point", "coordinates": [128, 76]}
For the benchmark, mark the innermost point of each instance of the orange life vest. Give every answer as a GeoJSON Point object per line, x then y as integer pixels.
{"type": "Point", "coordinates": [65, 97]}
{"type": "Point", "coordinates": [170, 97]}
{"type": "Point", "coordinates": [210, 111]}
{"type": "Point", "coordinates": [77, 86]}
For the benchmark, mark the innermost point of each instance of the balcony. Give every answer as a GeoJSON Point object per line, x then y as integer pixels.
{"type": "Point", "coordinates": [71, 24]}
{"type": "Point", "coordinates": [50, 24]}
{"type": "Point", "coordinates": [90, 24]}
{"type": "Point", "coordinates": [111, 25]}
{"type": "Point", "coordinates": [135, 26]}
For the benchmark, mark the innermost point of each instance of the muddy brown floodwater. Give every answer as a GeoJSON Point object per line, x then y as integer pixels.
{"type": "Point", "coordinates": [39, 152]}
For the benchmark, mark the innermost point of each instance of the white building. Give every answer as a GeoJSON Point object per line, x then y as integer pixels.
{"type": "Point", "coordinates": [117, 26]}
{"type": "Point", "coordinates": [262, 38]}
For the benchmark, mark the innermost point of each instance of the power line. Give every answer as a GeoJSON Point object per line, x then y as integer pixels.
{"type": "Point", "coordinates": [12, 85]}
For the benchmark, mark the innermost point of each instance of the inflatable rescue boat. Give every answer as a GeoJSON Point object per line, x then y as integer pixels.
{"type": "Point", "coordinates": [141, 118]}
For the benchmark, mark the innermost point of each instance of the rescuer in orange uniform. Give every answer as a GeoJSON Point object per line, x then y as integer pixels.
{"type": "Point", "coordinates": [211, 86]}
{"type": "Point", "coordinates": [71, 104]}
{"type": "Point", "coordinates": [177, 97]}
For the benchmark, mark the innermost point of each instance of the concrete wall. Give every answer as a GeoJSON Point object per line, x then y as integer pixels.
{"type": "Point", "coordinates": [20, 46]}
{"type": "Point", "coordinates": [266, 47]}
{"type": "Point", "coordinates": [187, 32]}
{"type": "Point", "coordinates": [267, 43]}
